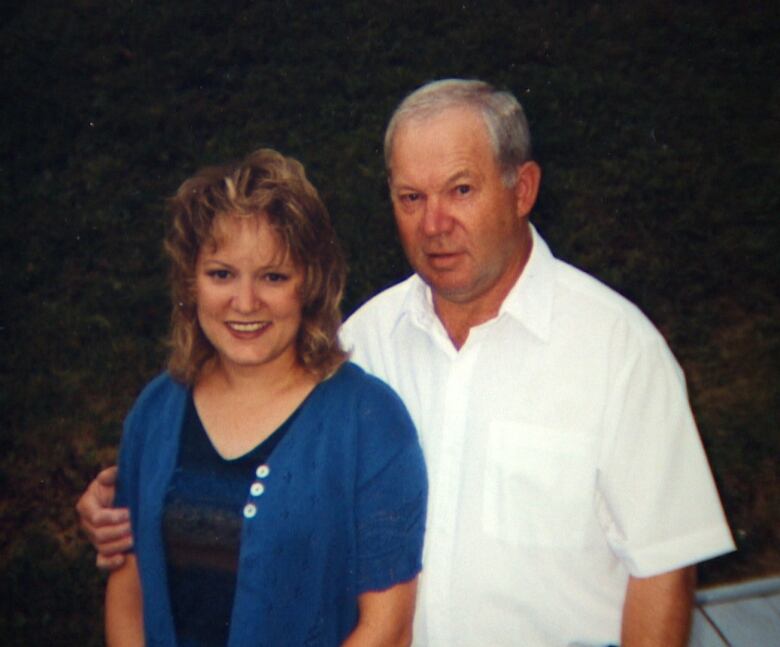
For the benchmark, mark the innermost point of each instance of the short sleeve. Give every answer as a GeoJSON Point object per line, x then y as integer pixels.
{"type": "Point", "coordinates": [660, 505]}
{"type": "Point", "coordinates": [392, 492]}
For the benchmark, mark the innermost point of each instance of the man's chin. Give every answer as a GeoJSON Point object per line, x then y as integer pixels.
{"type": "Point", "coordinates": [449, 288]}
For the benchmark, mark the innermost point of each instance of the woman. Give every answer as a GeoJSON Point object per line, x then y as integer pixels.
{"type": "Point", "coordinates": [277, 493]}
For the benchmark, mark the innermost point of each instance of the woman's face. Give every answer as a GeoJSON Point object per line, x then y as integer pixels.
{"type": "Point", "coordinates": [247, 295]}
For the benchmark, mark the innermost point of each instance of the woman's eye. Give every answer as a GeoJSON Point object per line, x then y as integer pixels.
{"type": "Point", "coordinates": [219, 274]}
{"type": "Point", "coordinates": [275, 277]}
{"type": "Point", "coordinates": [410, 197]}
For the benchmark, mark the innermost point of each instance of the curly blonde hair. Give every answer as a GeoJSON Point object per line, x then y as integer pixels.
{"type": "Point", "coordinates": [266, 185]}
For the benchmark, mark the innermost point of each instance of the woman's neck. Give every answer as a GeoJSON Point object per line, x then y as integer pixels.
{"type": "Point", "coordinates": [239, 409]}
{"type": "Point", "coordinates": [277, 377]}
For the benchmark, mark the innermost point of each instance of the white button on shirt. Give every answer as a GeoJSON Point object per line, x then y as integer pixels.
{"type": "Point", "coordinates": [562, 457]}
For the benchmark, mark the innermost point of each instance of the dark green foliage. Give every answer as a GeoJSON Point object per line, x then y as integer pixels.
{"type": "Point", "coordinates": [47, 596]}
{"type": "Point", "coordinates": [655, 122]}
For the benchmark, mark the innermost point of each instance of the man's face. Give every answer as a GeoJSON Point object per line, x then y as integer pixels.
{"type": "Point", "coordinates": [463, 230]}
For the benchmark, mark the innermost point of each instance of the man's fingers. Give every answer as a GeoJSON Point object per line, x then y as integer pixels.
{"type": "Point", "coordinates": [107, 476]}
{"type": "Point", "coordinates": [117, 547]}
{"type": "Point", "coordinates": [109, 563]}
{"type": "Point", "coordinates": [96, 499]}
{"type": "Point", "coordinates": [107, 528]}
{"type": "Point", "coordinates": [102, 522]}
{"type": "Point", "coordinates": [110, 517]}
{"type": "Point", "coordinates": [92, 517]}
{"type": "Point", "coordinates": [105, 535]}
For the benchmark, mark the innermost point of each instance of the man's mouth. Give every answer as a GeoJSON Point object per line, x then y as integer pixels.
{"type": "Point", "coordinates": [442, 259]}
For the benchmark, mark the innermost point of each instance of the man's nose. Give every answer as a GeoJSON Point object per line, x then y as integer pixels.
{"type": "Point", "coordinates": [435, 218]}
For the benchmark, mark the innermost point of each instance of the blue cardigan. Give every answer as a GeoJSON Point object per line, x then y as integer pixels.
{"type": "Point", "coordinates": [343, 511]}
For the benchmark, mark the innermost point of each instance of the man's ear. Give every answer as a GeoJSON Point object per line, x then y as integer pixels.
{"type": "Point", "coordinates": [529, 176]}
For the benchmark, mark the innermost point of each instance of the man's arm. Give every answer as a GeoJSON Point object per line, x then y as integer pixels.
{"type": "Point", "coordinates": [107, 528]}
{"type": "Point", "coordinates": [385, 617]}
{"type": "Point", "coordinates": [657, 611]}
{"type": "Point", "coordinates": [124, 608]}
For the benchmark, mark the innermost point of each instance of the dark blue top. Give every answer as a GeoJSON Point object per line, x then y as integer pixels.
{"type": "Point", "coordinates": [342, 511]}
{"type": "Point", "coordinates": [202, 517]}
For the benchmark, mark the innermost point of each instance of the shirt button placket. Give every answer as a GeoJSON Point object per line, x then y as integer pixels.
{"type": "Point", "coordinates": [454, 423]}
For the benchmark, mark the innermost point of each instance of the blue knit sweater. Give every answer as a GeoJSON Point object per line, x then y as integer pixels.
{"type": "Point", "coordinates": [343, 511]}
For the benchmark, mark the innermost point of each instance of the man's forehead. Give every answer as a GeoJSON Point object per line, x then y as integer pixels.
{"type": "Point", "coordinates": [450, 118]}
{"type": "Point", "coordinates": [449, 144]}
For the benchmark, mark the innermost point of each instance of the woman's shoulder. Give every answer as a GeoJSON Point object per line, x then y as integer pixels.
{"type": "Point", "coordinates": [351, 378]}
{"type": "Point", "coordinates": [370, 400]}
{"type": "Point", "coordinates": [385, 439]}
{"type": "Point", "coordinates": [161, 386]}
{"type": "Point", "coordinates": [160, 393]}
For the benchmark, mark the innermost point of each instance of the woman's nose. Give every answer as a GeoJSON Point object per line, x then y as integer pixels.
{"type": "Point", "coordinates": [246, 298]}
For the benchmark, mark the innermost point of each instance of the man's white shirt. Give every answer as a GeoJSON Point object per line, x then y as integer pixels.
{"type": "Point", "coordinates": [562, 456]}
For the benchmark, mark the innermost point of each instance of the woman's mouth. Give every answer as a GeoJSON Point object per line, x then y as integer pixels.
{"type": "Point", "coordinates": [247, 327]}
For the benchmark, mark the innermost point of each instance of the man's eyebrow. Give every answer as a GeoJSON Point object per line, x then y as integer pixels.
{"type": "Point", "coordinates": [399, 186]}
{"type": "Point", "coordinates": [464, 174]}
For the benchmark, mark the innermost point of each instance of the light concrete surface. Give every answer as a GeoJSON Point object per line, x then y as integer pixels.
{"type": "Point", "coordinates": [738, 615]}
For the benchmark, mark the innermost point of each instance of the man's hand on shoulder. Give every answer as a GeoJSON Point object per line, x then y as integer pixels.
{"type": "Point", "coordinates": [107, 528]}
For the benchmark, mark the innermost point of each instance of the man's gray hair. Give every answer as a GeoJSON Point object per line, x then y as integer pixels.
{"type": "Point", "coordinates": [503, 115]}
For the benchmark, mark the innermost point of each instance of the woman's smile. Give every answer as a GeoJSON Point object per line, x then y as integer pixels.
{"type": "Point", "coordinates": [247, 294]}
{"type": "Point", "coordinates": [248, 327]}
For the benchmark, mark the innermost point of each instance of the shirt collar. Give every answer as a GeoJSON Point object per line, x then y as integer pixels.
{"type": "Point", "coordinates": [529, 302]}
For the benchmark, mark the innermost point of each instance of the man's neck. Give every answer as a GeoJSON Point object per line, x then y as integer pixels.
{"type": "Point", "coordinates": [459, 317]}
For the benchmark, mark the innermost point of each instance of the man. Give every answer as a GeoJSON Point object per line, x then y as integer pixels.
{"type": "Point", "coordinates": [569, 493]}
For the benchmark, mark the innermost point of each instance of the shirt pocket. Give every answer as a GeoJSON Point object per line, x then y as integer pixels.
{"type": "Point", "coordinates": [538, 485]}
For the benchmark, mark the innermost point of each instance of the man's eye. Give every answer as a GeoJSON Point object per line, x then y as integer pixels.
{"type": "Point", "coordinates": [410, 197]}
{"type": "Point", "coordinates": [463, 189]}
